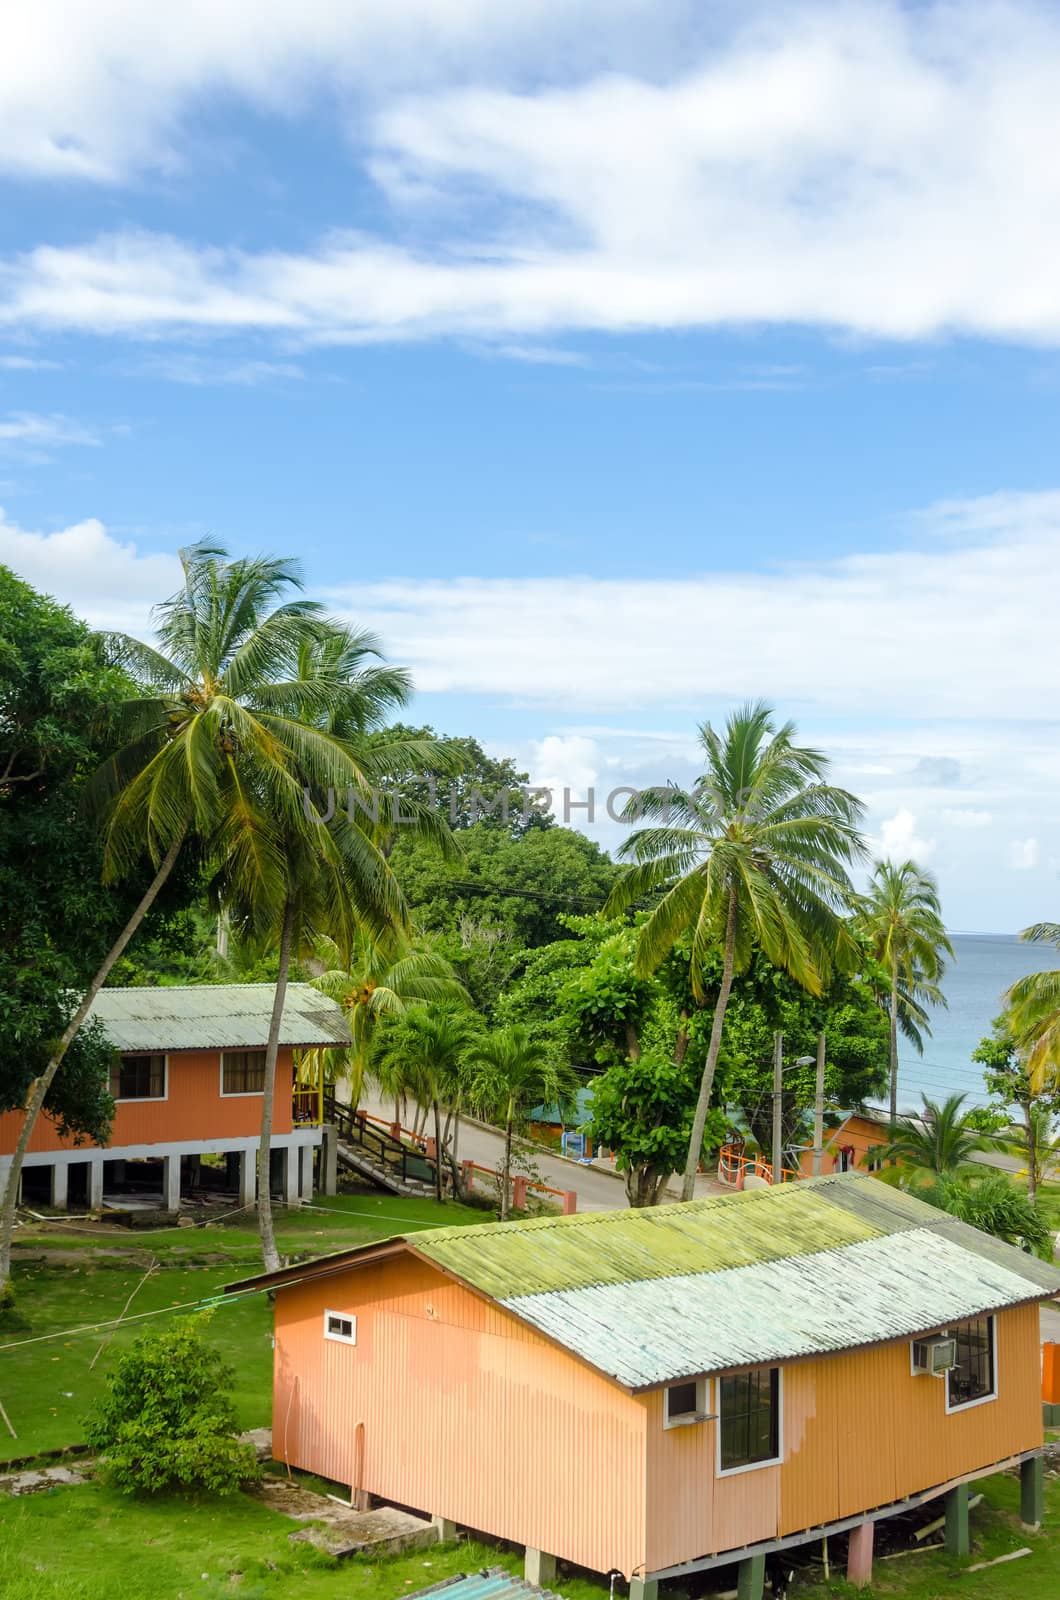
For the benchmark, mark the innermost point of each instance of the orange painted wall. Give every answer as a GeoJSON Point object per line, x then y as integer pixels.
{"type": "Point", "coordinates": [447, 1404]}
{"type": "Point", "coordinates": [194, 1109]}
{"type": "Point", "coordinates": [859, 1132]}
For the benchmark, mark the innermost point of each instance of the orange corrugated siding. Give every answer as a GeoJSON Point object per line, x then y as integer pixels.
{"type": "Point", "coordinates": [466, 1413]}
{"type": "Point", "coordinates": [194, 1109]}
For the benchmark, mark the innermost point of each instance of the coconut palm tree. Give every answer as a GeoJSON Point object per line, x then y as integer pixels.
{"type": "Point", "coordinates": [755, 855]}
{"type": "Point", "coordinates": [225, 738]}
{"type": "Point", "coordinates": [212, 749]}
{"type": "Point", "coordinates": [511, 1071]}
{"type": "Point", "coordinates": [426, 1056]}
{"type": "Point", "coordinates": [941, 1139]}
{"type": "Point", "coordinates": [900, 917]}
{"type": "Point", "coordinates": [1034, 1003]}
{"type": "Point", "coordinates": [381, 978]}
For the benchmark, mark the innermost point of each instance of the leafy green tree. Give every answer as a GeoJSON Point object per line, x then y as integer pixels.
{"type": "Point", "coordinates": [642, 1109]}
{"type": "Point", "coordinates": [511, 1070]}
{"type": "Point", "coordinates": [475, 787]}
{"type": "Point", "coordinates": [940, 1139]}
{"type": "Point", "coordinates": [1033, 1003]}
{"type": "Point", "coordinates": [519, 885]}
{"type": "Point", "coordinates": [57, 918]}
{"type": "Point", "coordinates": [1009, 1082]}
{"type": "Point", "coordinates": [901, 917]}
{"type": "Point", "coordinates": [992, 1202]}
{"type": "Point", "coordinates": [166, 1421]}
{"type": "Point", "coordinates": [755, 856]}
{"type": "Point", "coordinates": [766, 1000]}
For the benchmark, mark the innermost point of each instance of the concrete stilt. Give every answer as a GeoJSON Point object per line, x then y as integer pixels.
{"type": "Point", "coordinates": [1032, 1492]}
{"type": "Point", "coordinates": [643, 1589]}
{"type": "Point", "coordinates": [751, 1578]}
{"type": "Point", "coordinates": [60, 1178]}
{"type": "Point", "coordinates": [292, 1192]}
{"type": "Point", "coordinates": [305, 1167]}
{"type": "Point", "coordinates": [329, 1159]}
{"type": "Point", "coordinates": [171, 1183]}
{"type": "Point", "coordinates": [958, 1539]}
{"type": "Point", "coordinates": [539, 1567]}
{"type": "Point", "coordinates": [248, 1177]}
{"type": "Point", "coordinates": [446, 1528]}
{"type": "Point", "coordinates": [859, 1555]}
{"type": "Point", "coordinates": [95, 1183]}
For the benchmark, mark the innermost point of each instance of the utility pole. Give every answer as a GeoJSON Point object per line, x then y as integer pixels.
{"type": "Point", "coordinates": [778, 1107]}
{"type": "Point", "coordinates": [818, 1111]}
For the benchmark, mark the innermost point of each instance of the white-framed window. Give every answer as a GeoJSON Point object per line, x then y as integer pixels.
{"type": "Point", "coordinates": [242, 1072]}
{"type": "Point", "coordinates": [685, 1403]}
{"type": "Point", "coordinates": [972, 1381]}
{"type": "Point", "coordinates": [140, 1077]}
{"type": "Point", "coordinates": [750, 1426]}
{"type": "Point", "coordinates": [341, 1326]}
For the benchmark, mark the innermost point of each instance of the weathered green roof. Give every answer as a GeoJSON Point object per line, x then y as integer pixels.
{"type": "Point", "coordinates": [217, 1016]}
{"type": "Point", "coordinates": [770, 1275]}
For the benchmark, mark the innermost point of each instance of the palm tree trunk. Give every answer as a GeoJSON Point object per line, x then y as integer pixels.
{"type": "Point", "coordinates": [506, 1173]}
{"type": "Point", "coordinates": [1032, 1154]}
{"type": "Point", "coordinates": [632, 1042]}
{"type": "Point", "coordinates": [268, 1098]}
{"type": "Point", "coordinates": [894, 1045]}
{"type": "Point", "coordinates": [699, 1121]}
{"type": "Point", "coordinates": [40, 1086]}
{"type": "Point", "coordinates": [454, 1159]}
{"type": "Point", "coordinates": [438, 1151]}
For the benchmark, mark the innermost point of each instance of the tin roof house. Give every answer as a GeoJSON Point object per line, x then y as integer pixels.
{"type": "Point", "coordinates": [187, 1082]}
{"type": "Point", "coordinates": [667, 1390]}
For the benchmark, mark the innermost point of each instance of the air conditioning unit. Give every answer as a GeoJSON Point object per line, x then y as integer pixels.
{"type": "Point", "coordinates": [934, 1356]}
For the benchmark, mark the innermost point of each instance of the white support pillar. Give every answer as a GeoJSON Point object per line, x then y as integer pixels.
{"type": "Point", "coordinates": [171, 1183]}
{"type": "Point", "coordinates": [329, 1159]}
{"type": "Point", "coordinates": [248, 1177]}
{"type": "Point", "coordinates": [291, 1186]}
{"type": "Point", "coordinates": [305, 1165]}
{"type": "Point", "coordinates": [95, 1183]}
{"type": "Point", "coordinates": [60, 1173]}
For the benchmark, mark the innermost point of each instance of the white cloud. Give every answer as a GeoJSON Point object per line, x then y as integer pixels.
{"type": "Point", "coordinates": [888, 631]}
{"type": "Point", "coordinates": [861, 166]}
{"type": "Point", "coordinates": [899, 841]}
{"type": "Point", "coordinates": [27, 364]}
{"type": "Point", "coordinates": [1024, 854]}
{"type": "Point", "coordinates": [109, 583]}
{"type": "Point", "coordinates": [31, 434]}
{"type": "Point", "coordinates": [959, 818]}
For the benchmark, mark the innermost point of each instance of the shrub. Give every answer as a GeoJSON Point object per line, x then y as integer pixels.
{"type": "Point", "coordinates": [993, 1203]}
{"type": "Point", "coordinates": [166, 1421]}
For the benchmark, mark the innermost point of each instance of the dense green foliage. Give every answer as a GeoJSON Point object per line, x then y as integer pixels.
{"type": "Point", "coordinates": [992, 1202]}
{"type": "Point", "coordinates": [166, 1421]}
{"type": "Point", "coordinates": [642, 1109]}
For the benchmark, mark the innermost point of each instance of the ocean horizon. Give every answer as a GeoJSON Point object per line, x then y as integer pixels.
{"type": "Point", "coordinates": [984, 966]}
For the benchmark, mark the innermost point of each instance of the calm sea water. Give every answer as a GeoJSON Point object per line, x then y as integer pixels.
{"type": "Point", "coordinates": [986, 964]}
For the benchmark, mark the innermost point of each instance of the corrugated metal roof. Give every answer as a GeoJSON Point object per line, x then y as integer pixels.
{"type": "Point", "coordinates": [217, 1016]}
{"type": "Point", "coordinates": [598, 1247]}
{"type": "Point", "coordinates": [891, 1287]}
{"type": "Point", "coordinates": [492, 1584]}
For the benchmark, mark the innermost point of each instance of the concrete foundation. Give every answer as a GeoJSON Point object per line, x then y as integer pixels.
{"type": "Point", "coordinates": [446, 1529]}
{"type": "Point", "coordinates": [958, 1539]}
{"type": "Point", "coordinates": [859, 1555]}
{"type": "Point", "coordinates": [539, 1568]}
{"type": "Point", "coordinates": [328, 1179]}
{"type": "Point", "coordinates": [59, 1186]}
{"type": "Point", "coordinates": [171, 1183]}
{"type": "Point", "coordinates": [1032, 1492]}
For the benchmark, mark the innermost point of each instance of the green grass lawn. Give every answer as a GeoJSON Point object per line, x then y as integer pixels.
{"type": "Point", "coordinates": [93, 1544]}
{"type": "Point", "coordinates": [48, 1386]}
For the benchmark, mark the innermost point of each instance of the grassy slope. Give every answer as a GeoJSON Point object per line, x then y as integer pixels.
{"type": "Point", "coordinates": [47, 1387]}
{"type": "Point", "coordinates": [93, 1544]}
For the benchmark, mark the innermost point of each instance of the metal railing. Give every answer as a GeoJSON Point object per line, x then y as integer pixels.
{"type": "Point", "coordinates": [734, 1168]}
{"type": "Point", "coordinates": [379, 1143]}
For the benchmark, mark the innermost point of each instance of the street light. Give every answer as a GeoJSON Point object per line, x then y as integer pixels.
{"type": "Point", "coordinates": [778, 1100]}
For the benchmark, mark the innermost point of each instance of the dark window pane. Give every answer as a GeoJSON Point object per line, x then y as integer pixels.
{"type": "Point", "coordinates": [750, 1417]}
{"type": "Point", "coordinates": [138, 1078]}
{"type": "Point", "coordinates": [972, 1378]}
{"type": "Point", "coordinates": [681, 1400]}
{"type": "Point", "coordinates": [243, 1071]}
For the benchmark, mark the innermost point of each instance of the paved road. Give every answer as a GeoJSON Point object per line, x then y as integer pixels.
{"type": "Point", "coordinates": [597, 1185]}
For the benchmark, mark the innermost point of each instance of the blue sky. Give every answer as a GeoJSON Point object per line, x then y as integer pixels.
{"type": "Point", "coordinates": [616, 362]}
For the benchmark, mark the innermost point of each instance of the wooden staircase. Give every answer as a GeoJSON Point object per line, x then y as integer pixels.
{"type": "Point", "coordinates": [374, 1153]}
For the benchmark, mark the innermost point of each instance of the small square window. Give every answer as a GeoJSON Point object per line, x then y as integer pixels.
{"type": "Point", "coordinates": [973, 1377]}
{"type": "Point", "coordinates": [243, 1072]}
{"type": "Point", "coordinates": [686, 1402]}
{"type": "Point", "coordinates": [341, 1326]}
{"type": "Point", "coordinates": [138, 1078]}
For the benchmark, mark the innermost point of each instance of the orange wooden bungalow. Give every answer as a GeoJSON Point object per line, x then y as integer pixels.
{"type": "Point", "coordinates": [187, 1081]}
{"type": "Point", "coordinates": [664, 1391]}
